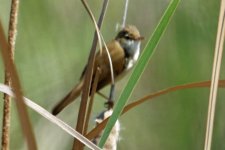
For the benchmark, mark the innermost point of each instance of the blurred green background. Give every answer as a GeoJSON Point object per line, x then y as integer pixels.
{"type": "Point", "coordinates": [53, 43]}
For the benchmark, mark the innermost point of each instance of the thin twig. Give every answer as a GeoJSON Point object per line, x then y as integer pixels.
{"type": "Point", "coordinates": [215, 76]}
{"type": "Point", "coordinates": [7, 100]}
{"type": "Point", "coordinates": [102, 95]}
{"type": "Point", "coordinates": [88, 77]}
{"type": "Point", "coordinates": [22, 111]}
{"type": "Point", "coordinates": [94, 132]}
{"type": "Point", "coordinates": [125, 13]}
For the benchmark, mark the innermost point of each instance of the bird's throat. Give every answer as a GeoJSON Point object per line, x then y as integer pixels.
{"type": "Point", "coordinates": [132, 52]}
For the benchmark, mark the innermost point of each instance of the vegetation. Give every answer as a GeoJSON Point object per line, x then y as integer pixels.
{"type": "Point", "coordinates": [52, 47]}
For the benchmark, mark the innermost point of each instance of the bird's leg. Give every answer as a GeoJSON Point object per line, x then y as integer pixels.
{"type": "Point", "coordinates": [110, 103]}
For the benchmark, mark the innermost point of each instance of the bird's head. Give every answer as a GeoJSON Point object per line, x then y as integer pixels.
{"type": "Point", "coordinates": [130, 39]}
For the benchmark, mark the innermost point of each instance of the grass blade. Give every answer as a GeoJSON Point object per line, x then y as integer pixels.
{"type": "Point", "coordinates": [146, 55]}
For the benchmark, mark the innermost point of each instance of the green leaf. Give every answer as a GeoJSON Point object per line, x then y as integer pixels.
{"type": "Point", "coordinates": [139, 68]}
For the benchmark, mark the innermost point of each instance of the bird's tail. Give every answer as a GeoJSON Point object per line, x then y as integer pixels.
{"type": "Point", "coordinates": [70, 97]}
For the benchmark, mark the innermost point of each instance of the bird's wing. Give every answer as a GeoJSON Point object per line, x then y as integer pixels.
{"type": "Point", "coordinates": [118, 60]}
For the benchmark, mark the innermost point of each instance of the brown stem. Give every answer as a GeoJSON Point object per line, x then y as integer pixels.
{"type": "Point", "coordinates": [87, 83]}
{"type": "Point", "coordinates": [6, 117]}
{"type": "Point", "coordinates": [91, 100]}
{"type": "Point", "coordinates": [93, 133]}
{"type": "Point", "coordinates": [7, 100]}
{"type": "Point", "coordinates": [22, 111]}
{"type": "Point", "coordinates": [90, 105]}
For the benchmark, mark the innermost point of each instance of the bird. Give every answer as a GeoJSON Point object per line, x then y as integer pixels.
{"type": "Point", "coordinates": [124, 51]}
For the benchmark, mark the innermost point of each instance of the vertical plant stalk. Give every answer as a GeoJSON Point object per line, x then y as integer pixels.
{"type": "Point", "coordinates": [215, 76]}
{"type": "Point", "coordinates": [22, 111]}
{"type": "Point", "coordinates": [125, 14]}
{"type": "Point", "coordinates": [87, 83]}
{"type": "Point", "coordinates": [90, 105]}
{"type": "Point", "coordinates": [94, 87]}
{"type": "Point", "coordinates": [7, 100]}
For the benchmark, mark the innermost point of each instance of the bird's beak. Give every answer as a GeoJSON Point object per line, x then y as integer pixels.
{"type": "Point", "coordinates": [140, 38]}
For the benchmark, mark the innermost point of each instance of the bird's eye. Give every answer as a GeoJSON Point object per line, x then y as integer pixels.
{"type": "Point", "coordinates": [126, 36]}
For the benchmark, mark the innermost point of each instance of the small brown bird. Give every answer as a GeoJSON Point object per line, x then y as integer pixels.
{"type": "Point", "coordinates": [124, 51]}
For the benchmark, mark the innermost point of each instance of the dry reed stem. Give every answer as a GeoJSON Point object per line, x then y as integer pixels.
{"type": "Point", "coordinates": [7, 100]}
{"type": "Point", "coordinates": [87, 83]}
{"type": "Point", "coordinates": [90, 104]}
{"type": "Point", "coordinates": [22, 111]}
{"type": "Point", "coordinates": [51, 118]}
{"type": "Point", "coordinates": [215, 77]}
{"type": "Point", "coordinates": [94, 132]}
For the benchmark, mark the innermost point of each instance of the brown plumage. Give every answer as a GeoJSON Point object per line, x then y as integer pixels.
{"type": "Point", "coordinates": [119, 61]}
